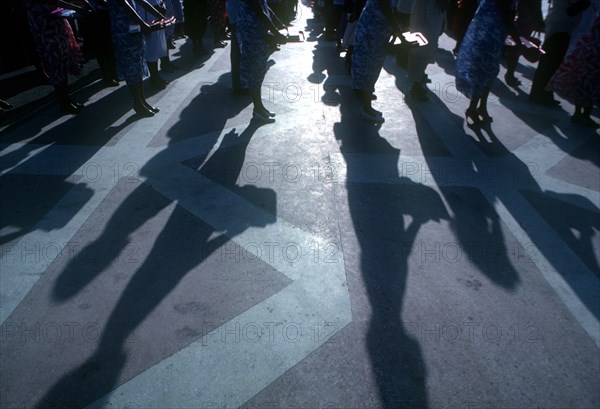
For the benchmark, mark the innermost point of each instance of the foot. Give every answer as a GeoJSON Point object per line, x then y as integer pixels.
{"type": "Point", "coordinates": [171, 45]}
{"type": "Point", "coordinates": [219, 44]}
{"type": "Point", "coordinates": [70, 107]}
{"type": "Point", "coordinates": [264, 111]}
{"type": "Point", "coordinates": [425, 79]}
{"type": "Point", "coordinates": [472, 115]}
{"type": "Point", "coordinates": [149, 107]}
{"type": "Point", "coordinates": [263, 117]}
{"type": "Point", "coordinates": [5, 105]}
{"type": "Point", "coordinates": [142, 111]}
{"type": "Point", "coordinates": [110, 82]}
{"type": "Point", "coordinates": [485, 117]}
{"type": "Point", "coordinates": [512, 80]}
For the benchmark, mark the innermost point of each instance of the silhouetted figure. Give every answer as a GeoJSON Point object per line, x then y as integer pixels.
{"type": "Point", "coordinates": [478, 60]}
{"type": "Point", "coordinates": [127, 26]}
{"type": "Point", "coordinates": [57, 48]}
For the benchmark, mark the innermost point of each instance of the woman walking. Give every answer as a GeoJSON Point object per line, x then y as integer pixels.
{"type": "Point", "coordinates": [478, 60]}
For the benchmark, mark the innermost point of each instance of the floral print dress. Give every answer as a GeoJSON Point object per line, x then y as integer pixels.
{"type": "Point", "coordinates": [254, 47]}
{"type": "Point", "coordinates": [129, 43]}
{"type": "Point", "coordinates": [478, 60]}
{"type": "Point", "coordinates": [578, 78]}
{"type": "Point", "coordinates": [55, 42]}
{"type": "Point", "coordinates": [372, 35]}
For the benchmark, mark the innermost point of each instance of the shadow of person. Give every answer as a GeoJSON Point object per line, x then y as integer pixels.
{"type": "Point", "coordinates": [38, 181]}
{"type": "Point", "coordinates": [215, 100]}
{"type": "Point", "coordinates": [554, 123]}
{"type": "Point", "coordinates": [379, 213]}
{"type": "Point", "coordinates": [130, 215]}
{"type": "Point", "coordinates": [328, 69]}
{"type": "Point", "coordinates": [575, 219]}
{"type": "Point", "coordinates": [170, 259]}
{"type": "Point", "coordinates": [570, 216]}
{"type": "Point", "coordinates": [475, 223]}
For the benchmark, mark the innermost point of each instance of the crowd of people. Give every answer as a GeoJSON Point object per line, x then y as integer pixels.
{"type": "Point", "coordinates": [486, 31]}
{"type": "Point", "coordinates": [132, 38]}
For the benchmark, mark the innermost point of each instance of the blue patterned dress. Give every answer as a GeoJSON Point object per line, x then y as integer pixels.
{"type": "Point", "coordinates": [129, 44]}
{"type": "Point", "coordinates": [372, 35]}
{"type": "Point", "coordinates": [254, 48]}
{"type": "Point", "coordinates": [55, 43]}
{"type": "Point", "coordinates": [478, 60]}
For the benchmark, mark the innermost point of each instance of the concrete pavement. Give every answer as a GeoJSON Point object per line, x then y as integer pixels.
{"type": "Point", "coordinates": [197, 259]}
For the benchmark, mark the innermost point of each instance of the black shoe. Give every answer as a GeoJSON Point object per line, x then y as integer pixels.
{"type": "Point", "coordinates": [151, 108]}
{"type": "Point", "coordinates": [266, 118]}
{"type": "Point", "coordinates": [110, 82]}
{"type": "Point", "coordinates": [171, 45]}
{"type": "Point", "coordinates": [5, 105]}
{"type": "Point", "coordinates": [70, 107]}
{"type": "Point", "coordinates": [219, 44]}
{"type": "Point", "coordinates": [143, 111]}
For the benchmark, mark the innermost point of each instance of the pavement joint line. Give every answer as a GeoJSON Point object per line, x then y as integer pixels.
{"type": "Point", "coordinates": [315, 287]}
{"type": "Point", "coordinates": [313, 280]}
{"type": "Point", "coordinates": [141, 132]}
{"type": "Point", "coordinates": [269, 360]}
{"type": "Point", "coordinates": [549, 183]}
{"type": "Point", "coordinates": [281, 230]}
{"type": "Point", "coordinates": [564, 290]}
{"type": "Point", "coordinates": [554, 278]}
{"type": "Point", "coordinates": [553, 154]}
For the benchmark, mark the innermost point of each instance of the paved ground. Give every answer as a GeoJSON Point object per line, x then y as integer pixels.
{"type": "Point", "coordinates": [198, 260]}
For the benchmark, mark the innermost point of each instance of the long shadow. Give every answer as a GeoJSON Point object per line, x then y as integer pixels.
{"type": "Point", "coordinates": [379, 213]}
{"type": "Point", "coordinates": [571, 216]}
{"type": "Point", "coordinates": [34, 194]}
{"type": "Point", "coordinates": [475, 224]}
{"type": "Point", "coordinates": [327, 63]}
{"type": "Point", "coordinates": [155, 278]}
{"type": "Point", "coordinates": [553, 116]}
{"type": "Point", "coordinates": [208, 111]}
